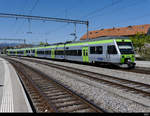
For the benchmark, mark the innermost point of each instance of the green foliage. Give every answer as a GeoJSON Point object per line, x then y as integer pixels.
{"type": "Point", "coordinates": [139, 41]}
{"type": "Point", "coordinates": [43, 44]}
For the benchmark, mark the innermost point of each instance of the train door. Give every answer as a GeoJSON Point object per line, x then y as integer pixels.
{"type": "Point", "coordinates": [85, 54]}
{"type": "Point", "coordinates": [53, 53]}
{"type": "Point", "coordinates": [35, 52]}
{"type": "Point", "coordinates": [111, 54]}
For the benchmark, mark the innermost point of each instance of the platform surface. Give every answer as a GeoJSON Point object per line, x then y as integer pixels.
{"type": "Point", "coordinates": [12, 95]}
{"type": "Point", "coordinates": [143, 64]}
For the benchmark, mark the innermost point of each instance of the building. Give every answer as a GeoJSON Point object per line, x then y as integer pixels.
{"type": "Point", "coordinates": [120, 32]}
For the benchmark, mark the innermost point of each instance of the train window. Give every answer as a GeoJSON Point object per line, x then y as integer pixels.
{"type": "Point", "coordinates": [40, 52]}
{"type": "Point", "coordinates": [67, 52]}
{"type": "Point", "coordinates": [92, 50]}
{"type": "Point", "coordinates": [125, 47]}
{"type": "Point", "coordinates": [99, 50]}
{"type": "Point", "coordinates": [59, 52]}
{"type": "Point", "coordinates": [73, 52]}
{"type": "Point", "coordinates": [79, 53]}
{"type": "Point", "coordinates": [19, 52]}
{"type": "Point", "coordinates": [96, 50]}
{"type": "Point", "coordinates": [111, 49]}
{"type": "Point", "coordinates": [47, 52]}
{"type": "Point", "coordinates": [33, 51]}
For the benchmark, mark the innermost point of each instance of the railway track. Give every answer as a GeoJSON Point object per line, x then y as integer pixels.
{"type": "Point", "coordinates": [140, 70]}
{"type": "Point", "coordinates": [47, 95]}
{"type": "Point", "coordinates": [137, 88]}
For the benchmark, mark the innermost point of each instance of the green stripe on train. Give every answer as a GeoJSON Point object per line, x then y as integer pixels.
{"type": "Point", "coordinates": [131, 56]}
{"type": "Point", "coordinates": [96, 42]}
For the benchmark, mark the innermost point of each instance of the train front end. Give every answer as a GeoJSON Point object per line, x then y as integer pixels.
{"type": "Point", "coordinates": [127, 55]}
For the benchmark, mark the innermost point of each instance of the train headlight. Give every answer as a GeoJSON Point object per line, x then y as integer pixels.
{"type": "Point", "coordinates": [129, 60]}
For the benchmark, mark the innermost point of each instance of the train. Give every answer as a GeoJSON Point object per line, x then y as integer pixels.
{"type": "Point", "coordinates": [118, 51]}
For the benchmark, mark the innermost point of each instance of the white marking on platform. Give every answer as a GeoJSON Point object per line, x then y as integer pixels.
{"type": "Point", "coordinates": [7, 99]}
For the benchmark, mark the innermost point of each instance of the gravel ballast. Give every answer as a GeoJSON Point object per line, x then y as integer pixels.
{"type": "Point", "coordinates": [144, 78]}
{"type": "Point", "coordinates": [93, 91]}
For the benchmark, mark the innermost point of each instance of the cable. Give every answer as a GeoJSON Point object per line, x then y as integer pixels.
{"type": "Point", "coordinates": [101, 9]}
{"type": "Point", "coordinates": [122, 8]}
{"type": "Point", "coordinates": [14, 25]}
{"type": "Point", "coordinates": [34, 6]}
{"type": "Point", "coordinates": [30, 12]}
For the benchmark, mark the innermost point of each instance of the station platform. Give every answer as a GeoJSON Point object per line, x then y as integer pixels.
{"type": "Point", "coordinates": [143, 64]}
{"type": "Point", "coordinates": [12, 95]}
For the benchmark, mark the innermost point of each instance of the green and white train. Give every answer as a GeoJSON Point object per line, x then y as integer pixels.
{"type": "Point", "coordinates": [108, 50]}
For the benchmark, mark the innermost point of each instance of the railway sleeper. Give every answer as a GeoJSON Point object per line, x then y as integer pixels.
{"type": "Point", "coordinates": [83, 110]}
{"type": "Point", "coordinates": [37, 100]}
{"type": "Point", "coordinates": [48, 86]}
{"type": "Point", "coordinates": [68, 104]}
{"type": "Point", "coordinates": [56, 94]}
{"type": "Point", "coordinates": [51, 90]}
{"type": "Point", "coordinates": [73, 108]}
{"type": "Point", "coordinates": [59, 97]}
{"type": "Point", "coordinates": [36, 97]}
{"type": "Point", "coordinates": [33, 92]}
{"type": "Point", "coordinates": [64, 100]}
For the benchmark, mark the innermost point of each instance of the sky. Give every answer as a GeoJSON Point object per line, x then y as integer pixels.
{"type": "Point", "coordinates": [101, 14]}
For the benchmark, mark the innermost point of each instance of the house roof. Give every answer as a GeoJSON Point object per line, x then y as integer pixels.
{"type": "Point", "coordinates": [123, 31]}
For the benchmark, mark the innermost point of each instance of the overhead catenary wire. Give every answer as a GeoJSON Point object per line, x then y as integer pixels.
{"type": "Point", "coordinates": [115, 11]}
{"type": "Point", "coordinates": [91, 13]}
{"type": "Point", "coordinates": [30, 12]}
{"type": "Point", "coordinates": [34, 6]}
{"type": "Point", "coordinates": [101, 9]}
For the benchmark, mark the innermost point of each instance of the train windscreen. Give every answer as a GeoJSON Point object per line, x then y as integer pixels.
{"type": "Point", "coordinates": [125, 47]}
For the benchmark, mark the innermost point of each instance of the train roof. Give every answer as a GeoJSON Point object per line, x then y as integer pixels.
{"type": "Point", "coordinates": [70, 43]}
{"type": "Point", "coordinates": [100, 38]}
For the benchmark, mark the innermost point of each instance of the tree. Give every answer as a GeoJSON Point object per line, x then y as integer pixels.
{"type": "Point", "coordinates": [139, 41]}
{"type": "Point", "coordinates": [43, 44]}
{"type": "Point", "coordinates": [148, 38]}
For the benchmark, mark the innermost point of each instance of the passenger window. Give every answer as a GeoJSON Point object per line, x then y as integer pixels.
{"type": "Point", "coordinates": [96, 50]}
{"type": "Point", "coordinates": [92, 50]}
{"type": "Point", "coordinates": [111, 49]}
{"type": "Point", "coordinates": [99, 50]}
{"type": "Point", "coordinates": [79, 53]}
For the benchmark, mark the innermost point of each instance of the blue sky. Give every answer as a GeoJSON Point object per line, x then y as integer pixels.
{"type": "Point", "coordinates": [99, 13]}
